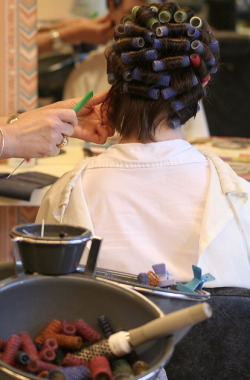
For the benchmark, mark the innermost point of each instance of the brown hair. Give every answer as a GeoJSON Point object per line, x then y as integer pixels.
{"type": "Point", "coordinates": [153, 72]}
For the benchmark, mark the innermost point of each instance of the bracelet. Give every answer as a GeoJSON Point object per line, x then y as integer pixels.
{"type": "Point", "coordinates": [2, 145]}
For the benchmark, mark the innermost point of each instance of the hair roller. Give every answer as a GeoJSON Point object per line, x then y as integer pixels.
{"type": "Point", "coordinates": [168, 93]}
{"type": "Point", "coordinates": [171, 7]}
{"type": "Point", "coordinates": [195, 60]}
{"type": "Point", "coordinates": [161, 31]}
{"type": "Point", "coordinates": [199, 48]}
{"type": "Point", "coordinates": [178, 30]}
{"type": "Point", "coordinates": [145, 16]}
{"type": "Point", "coordinates": [136, 30]}
{"type": "Point", "coordinates": [214, 46]}
{"type": "Point", "coordinates": [196, 22]}
{"type": "Point", "coordinates": [202, 70]}
{"type": "Point", "coordinates": [164, 16]}
{"type": "Point", "coordinates": [174, 122]}
{"type": "Point", "coordinates": [128, 44]}
{"type": "Point", "coordinates": [172, 45]}
{"type": "Point", "coordinates": [119, 30]}
{"type": "Point", "coordinates": [180, 16]}
{"type": "Point", "coordinates": [193, 33]}
{"type": "Point", "coordinates": [127, 18]}
{"type": "Point", "coordinates": [142, 91]}
{"type": "Point", "coordinates": [128, 75]}
{"type": "Point", "coordinates": [133, 56]}
{"type": "Point", "coordinates": [135, 9]}
{"type": "Point", "coordinates": [151, 79]}
{"type": "Point", "coordinates": [154, 8]}
{"type": "Point", "coordinates": [171, 63]}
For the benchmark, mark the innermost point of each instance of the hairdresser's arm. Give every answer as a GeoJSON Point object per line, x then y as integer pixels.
{"type": "Point", "coordinates": [92, 119]}
{"type": "Point", "coordinates": [36, 133]}
{"type": "Point", "coordinates": [75, 31]}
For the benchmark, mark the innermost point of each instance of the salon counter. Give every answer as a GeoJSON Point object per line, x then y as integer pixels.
{"type": "Point", "coordinates": [55, 166]}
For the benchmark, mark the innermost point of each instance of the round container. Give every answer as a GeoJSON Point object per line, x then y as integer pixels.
{"type": "Point", "coordinates": [58, 251]}
{"type": "Point", "coordinates": [32, 301]}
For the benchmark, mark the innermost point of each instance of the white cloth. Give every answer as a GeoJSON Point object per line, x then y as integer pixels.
{"type": "Point", "coordinates": [159, 202]}
{"type": "Point", "coordinates": [91, 75]}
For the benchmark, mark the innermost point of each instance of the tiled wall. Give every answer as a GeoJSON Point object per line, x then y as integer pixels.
{"type": "Point", "coordinates": [18, 90]}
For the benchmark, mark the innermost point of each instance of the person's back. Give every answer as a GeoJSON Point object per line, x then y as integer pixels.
{"type": "Point", "coordinates": [153, 197]}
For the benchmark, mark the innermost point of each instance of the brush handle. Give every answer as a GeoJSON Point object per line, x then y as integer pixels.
{"type": "Point", "coordinates": [170, 323]}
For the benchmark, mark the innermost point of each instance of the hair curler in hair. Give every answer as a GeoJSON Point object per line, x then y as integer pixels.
{"type": "Point", "coordinates": [180, 16]}
{"type": "Point", "coordinates": [160, 80]}
{"type": "Point", "coordinates": [177, 105]}
{"type": "Point", "coordinates": [122, 343]}
{"type": "Point", "coordinates": [196, 22]}
{"type": "Point", "coordinates": [146, 92]}
{"type": "Point", "coordinates": [195, 60]}
{"type": "Point", "coordinates": [154, 8]}
{"type": "Point", "coordinates": [130, 57]}
{"type": "Point", "coordinates": [164, 16]}
{"type": "Point", "coordinates": [120, 30]}
{"type": "Point", "coordinates": [168, 93]}
{"type": "Point", "coordinates": [128, 44]}
{"type": "Point", "coordinates": [111, 78]}
{"type": "Point", "coordinates": [174, 123]}
{"type": "Point", "coordinates": [171, 64]}
{"type": "Point", "coordinates": [127, 75]}
{"type": "Point", "coordinates": [197, 46]}
{"type": "Point", "coordinates": [193, 32]}
{"type": "Point", "coordinates": [161, 31]}
{"type": "Point", "coordinates": [214, 46]}
{"type": "Point", "coordinates": [152, 23]}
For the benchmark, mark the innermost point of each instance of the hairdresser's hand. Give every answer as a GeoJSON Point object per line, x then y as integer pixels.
{"type": "Point", "coordinates": [37, 133]}
{"type": "Point", "coordinates": [92, 119]}
{"type": "Point", "coordinates": [93, 31]}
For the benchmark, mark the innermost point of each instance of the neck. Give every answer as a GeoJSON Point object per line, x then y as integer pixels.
{"type": "Point", "coordinates": [163, 133]}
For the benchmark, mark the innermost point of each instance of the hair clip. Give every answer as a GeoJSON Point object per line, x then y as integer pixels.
{"type": "Point", "coordinates": [164, 16]}
{"type": "Point", "coordinates": [196, 22]}
{"type": "Point", "coordinates": [195, 60]}
{"type": "Point", "coordinates": [174, 123]}
{"type": "Point", "coordinates": [193, 32]}
{"type": "Point", "coordinates": [180, 16]}
{"type": "Point", "coordinates": [161, 31]}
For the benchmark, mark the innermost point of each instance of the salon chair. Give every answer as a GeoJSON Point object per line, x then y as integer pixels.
{"type": "Point", "coordinates": [218, 348]}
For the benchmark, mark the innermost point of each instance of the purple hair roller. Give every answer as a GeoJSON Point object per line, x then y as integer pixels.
{"type": "Point", "coordinates": [174, 123]}
{"type": "Point", "coordinates": [154, 93]}
{"type": "Point", "coordinates": [193, 32]}
{"type": "Point", "coordinates": [111, 78]}
{"type": "Point", "coordinates": [161, 31]}
{"type": "Point", "coordinates": [164, 80]}
{"type": "Point", "coordinates": [177, 105]}
{"type": "Point", "coordinates": [136, 74]}
{"type": "Point", "coordinates": [120, 30]}
{"type": "Point", "coordinates": [197, 47]}
{"type": "Point", "coordinates": [151, 55]}
{"type": "Point", "coordinates": [127, 75]}
{"type": "Point", "coordinates": [168, 93]}
{"type": "Point", "coordinates": [138, 42]}
{"type": "Point", "coordinates": [157, 44]}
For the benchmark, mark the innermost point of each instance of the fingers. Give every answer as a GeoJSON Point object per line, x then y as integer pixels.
{"type": "Point", "coordinates": [97, 99]}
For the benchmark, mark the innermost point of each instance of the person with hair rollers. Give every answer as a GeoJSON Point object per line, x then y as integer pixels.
{"type": "Point", "coordinates": [153, 197]}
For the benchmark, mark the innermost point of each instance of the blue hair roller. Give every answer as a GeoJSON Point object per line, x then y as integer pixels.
{"type": "Point", "coordinates": [151, 55]}
{"type": "Point", "coordinates": [149, 36]}
{"type": "Point", "coordinates": [211, 62]}
{"type": "Point", "coordinates": [136, 74]}
{"type": "Point", "coordinates": [174, 123]}
{"type": "Point", "coordinates": [214, 45]}
{"type": "Point", "coordinates": [138, 42]}
{"type": "Point", "coordinates": [159, 65]}
{"type": "Point", "coordinates": [214, 70]}
{"type": "Point", "coordinates": [157, 44]}
{"type": "Point", "coordinates": [161, 31]}
{"type": "Point", "coordinates": [126, 58]}
{"type": "Point", "coordinates": [197, 46]}
{"type": "Point", "coordinates": [164, 80]}
{"type": "Point", "coordinates": [177, 105]}
{"type": "Point", "coordinates": [185, 61]}
{"type": "Point", "coordinates": [195, 81]}
{"type": "Point", "coordinates": [168, 93]}
{"type": "Point", "coordinates": [193, 32]}
{"type": "Point", "coordinates": [111, 78]}
{"type": "Point", "coordinates": [127, 75]}
{"type": "Point", "coordinates": [120, 30]}
{"type": "Point", "coordinates": [154, 93]}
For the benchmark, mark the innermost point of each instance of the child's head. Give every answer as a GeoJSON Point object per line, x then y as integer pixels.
{"type": "Point", "coordinates": [160, 61]}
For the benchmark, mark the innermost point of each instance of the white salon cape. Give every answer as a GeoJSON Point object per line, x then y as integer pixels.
{"type": "Point", "coordinates": [162, 202]}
